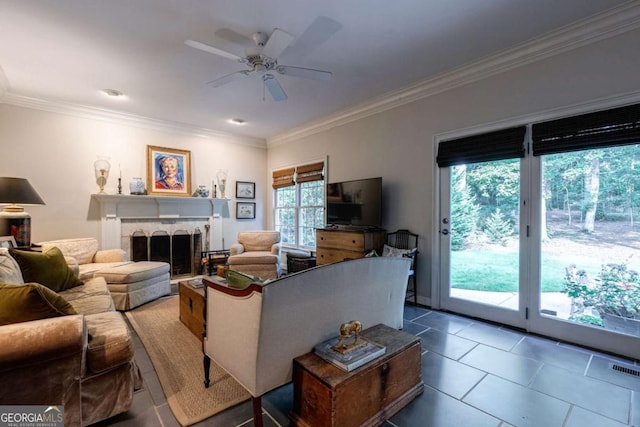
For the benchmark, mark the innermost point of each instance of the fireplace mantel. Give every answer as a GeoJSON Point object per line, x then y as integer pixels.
{"type": "Point", "coordinates": [115, 207]}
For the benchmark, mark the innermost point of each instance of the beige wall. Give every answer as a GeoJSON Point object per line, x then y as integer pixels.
{"type": "Point", "coordinates": [399, 144]}
{"type": "Point", "coordinates": [55, 152]}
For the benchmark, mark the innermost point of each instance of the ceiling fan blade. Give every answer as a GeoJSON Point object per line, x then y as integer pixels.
{"type": "Point", "coordinates": [228, 78]}
{"type": "Point", "coordinates": [276, 91]}
{"type": "Point", "coordinates": [305, 73]}
{"type": "Point", "coordinates": [233, 37]}
{"type": "Point", "coordinates": [214, 50]}
{"type": "Point", "coordinates": [320, 30]}
{"type": "Point", "coordinates": [277, 43]}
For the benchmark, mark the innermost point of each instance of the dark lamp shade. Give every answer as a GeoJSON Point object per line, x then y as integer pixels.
{"type": "Point", "coordinates": [18, 191]}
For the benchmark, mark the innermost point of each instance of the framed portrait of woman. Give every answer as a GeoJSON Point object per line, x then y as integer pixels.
{"type": "Point", "coordinates": [168, 171]}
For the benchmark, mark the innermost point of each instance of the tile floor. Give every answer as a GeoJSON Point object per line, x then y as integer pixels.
{"type": "Point", "coordinates": [476, 374]}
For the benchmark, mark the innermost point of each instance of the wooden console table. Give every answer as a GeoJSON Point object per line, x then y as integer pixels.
{"type": "Point", "coordinates": [325, 395]}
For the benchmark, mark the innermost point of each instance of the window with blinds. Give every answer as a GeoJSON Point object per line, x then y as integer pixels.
{"type": "Point", "coordinates": [299, 203]}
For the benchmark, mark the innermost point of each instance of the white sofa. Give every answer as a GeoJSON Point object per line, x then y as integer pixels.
{"type": "Point", "coordinates": [255, 333]}
{"type": "Point", "coordinates": [130, 283]}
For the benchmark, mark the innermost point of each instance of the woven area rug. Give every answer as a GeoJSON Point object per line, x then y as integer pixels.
{"type": "Point", "coordinates": [176, 355]}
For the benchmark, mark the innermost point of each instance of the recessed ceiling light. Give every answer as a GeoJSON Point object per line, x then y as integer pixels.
{"type": "Point", "coordinates": [238, 121]}
{"type": "Point", "coordinates": [113, 93]}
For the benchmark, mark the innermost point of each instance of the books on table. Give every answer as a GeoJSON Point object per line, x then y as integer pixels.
{"type": "Point", "coordinates": [351, 360]}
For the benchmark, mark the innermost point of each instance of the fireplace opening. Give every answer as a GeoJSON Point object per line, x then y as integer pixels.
{"type": "Point", "coordinates": [160, 247]}
{"type": "Point", "coordinates": [181, 250]}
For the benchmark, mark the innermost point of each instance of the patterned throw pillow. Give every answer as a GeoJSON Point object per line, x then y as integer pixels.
{"type": "Point", "coordinates": [391, 251]}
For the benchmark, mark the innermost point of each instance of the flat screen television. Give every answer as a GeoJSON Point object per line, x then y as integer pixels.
{"type": "Point", "coordinates": [356, 203]}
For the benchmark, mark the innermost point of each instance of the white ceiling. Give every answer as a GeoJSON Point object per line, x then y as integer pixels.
{"type": "Point", "coordinates": [67, 51]}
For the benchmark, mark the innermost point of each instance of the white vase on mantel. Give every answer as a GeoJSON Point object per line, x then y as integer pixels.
{"type": "Point", "coordinates": [136, 186]}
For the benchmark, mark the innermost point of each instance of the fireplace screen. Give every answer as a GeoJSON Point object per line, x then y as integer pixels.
{"type": "Point", "coordinates": [181, 250]}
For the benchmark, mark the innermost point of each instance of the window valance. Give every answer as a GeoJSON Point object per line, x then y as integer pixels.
{"type": "Point", "coordinates": [617, 126]}
{"type": "Point", "coordinates": [304, 173]}
{"type": "Point", "coordinates": [283, 178]}
{"type": "Point", "coordinates": [498, 145]}
{"type": "Point", "coordinates": [312, 172]}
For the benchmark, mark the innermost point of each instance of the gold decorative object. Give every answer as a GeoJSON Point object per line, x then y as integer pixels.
{"type": "Point", "coordinates": [344, 346]}
{"type": "Point", "coordinates": [102, 167]}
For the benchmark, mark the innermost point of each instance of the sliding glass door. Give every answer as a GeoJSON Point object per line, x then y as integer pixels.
{"type": "Point", "coordinates": [549, 241]}
{"type": "Point", "coordinates": [481, 226]}
{"type": "Point", "coordinates": [589, 246]}
{"type": "Point", "coordinates": [481, 233]}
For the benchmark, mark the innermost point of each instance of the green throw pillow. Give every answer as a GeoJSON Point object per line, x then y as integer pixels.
{"type": "Point", "coordinates": [49, 269]}
{"type": "Point", "coordinates": [30, 301]}
{"type": "Point", "coordinates": [238, 280]}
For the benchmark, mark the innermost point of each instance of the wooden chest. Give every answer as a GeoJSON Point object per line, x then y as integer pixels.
{"type": "Point", "coordinates": [325, 395]}
{"type": "Point", "coordinates": [192, 307]}
{"type": "Point", "coordinates": [333, 245]}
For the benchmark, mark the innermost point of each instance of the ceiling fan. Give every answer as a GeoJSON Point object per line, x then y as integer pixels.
{"type": "Point", "coordinates": [263, 60]}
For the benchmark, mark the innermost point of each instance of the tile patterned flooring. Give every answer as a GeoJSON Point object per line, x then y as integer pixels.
{"type": "Point", "coordinates": [475, 374]}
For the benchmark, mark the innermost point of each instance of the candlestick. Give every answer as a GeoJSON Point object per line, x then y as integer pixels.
{"type": "Point", "coordinates": [119, 185]}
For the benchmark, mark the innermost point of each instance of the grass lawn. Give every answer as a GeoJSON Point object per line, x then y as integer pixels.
{"type": "Point", "coordinates": [497, 271]}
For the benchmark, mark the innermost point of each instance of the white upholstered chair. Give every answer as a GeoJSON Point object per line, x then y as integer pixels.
{"type": "Point", "coordinates": [255, 333]}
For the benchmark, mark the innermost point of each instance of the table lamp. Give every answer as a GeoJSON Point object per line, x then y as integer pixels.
{"type": "Point", "coordinates": [14, 221]}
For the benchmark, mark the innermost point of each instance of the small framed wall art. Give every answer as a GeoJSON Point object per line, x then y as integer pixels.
{"type": "Point", "coordinates": [245, 210]}
{"type": "Point", "coordinates": [168, 171]}
{"type": "Point", "coordinates": [245, 190]}
{"type": "Point", "coordinates": [7, 242]}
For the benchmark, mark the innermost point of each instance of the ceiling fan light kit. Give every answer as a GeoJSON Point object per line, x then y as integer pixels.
{"type": "Point", "coordinates": [263, 62]}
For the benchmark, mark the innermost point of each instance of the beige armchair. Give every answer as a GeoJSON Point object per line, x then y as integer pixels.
{"type": "Point", "coordinates": [257, 253]}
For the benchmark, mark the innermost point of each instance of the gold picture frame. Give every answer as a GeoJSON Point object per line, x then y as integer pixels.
{"type": "Point", "coordinates": [168, 171]}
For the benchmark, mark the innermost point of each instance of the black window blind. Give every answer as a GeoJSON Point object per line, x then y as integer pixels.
{"type": "Point", "coordinates": [498, 145]}
{"type": "Point", "coordinates": [617, 126]}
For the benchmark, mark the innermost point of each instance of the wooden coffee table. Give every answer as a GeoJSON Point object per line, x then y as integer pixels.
{"type": "Point", "coordinates": [192, 308]}
{"type": "Point", "coordinates": [325, 395]}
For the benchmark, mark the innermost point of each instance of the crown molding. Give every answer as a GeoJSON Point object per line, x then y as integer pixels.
{"type": "Point", "coordinates": [602, 26]}
{"type": "Point", "coordinates": [94, 113]}
{"type": "Point", "coordinates": [584, 107]}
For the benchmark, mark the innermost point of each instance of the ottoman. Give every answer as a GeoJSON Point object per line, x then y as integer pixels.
{"type": "Point", "coordinates": [299, 260]}
{"type": "Point", "coordinates": [134, 284]}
